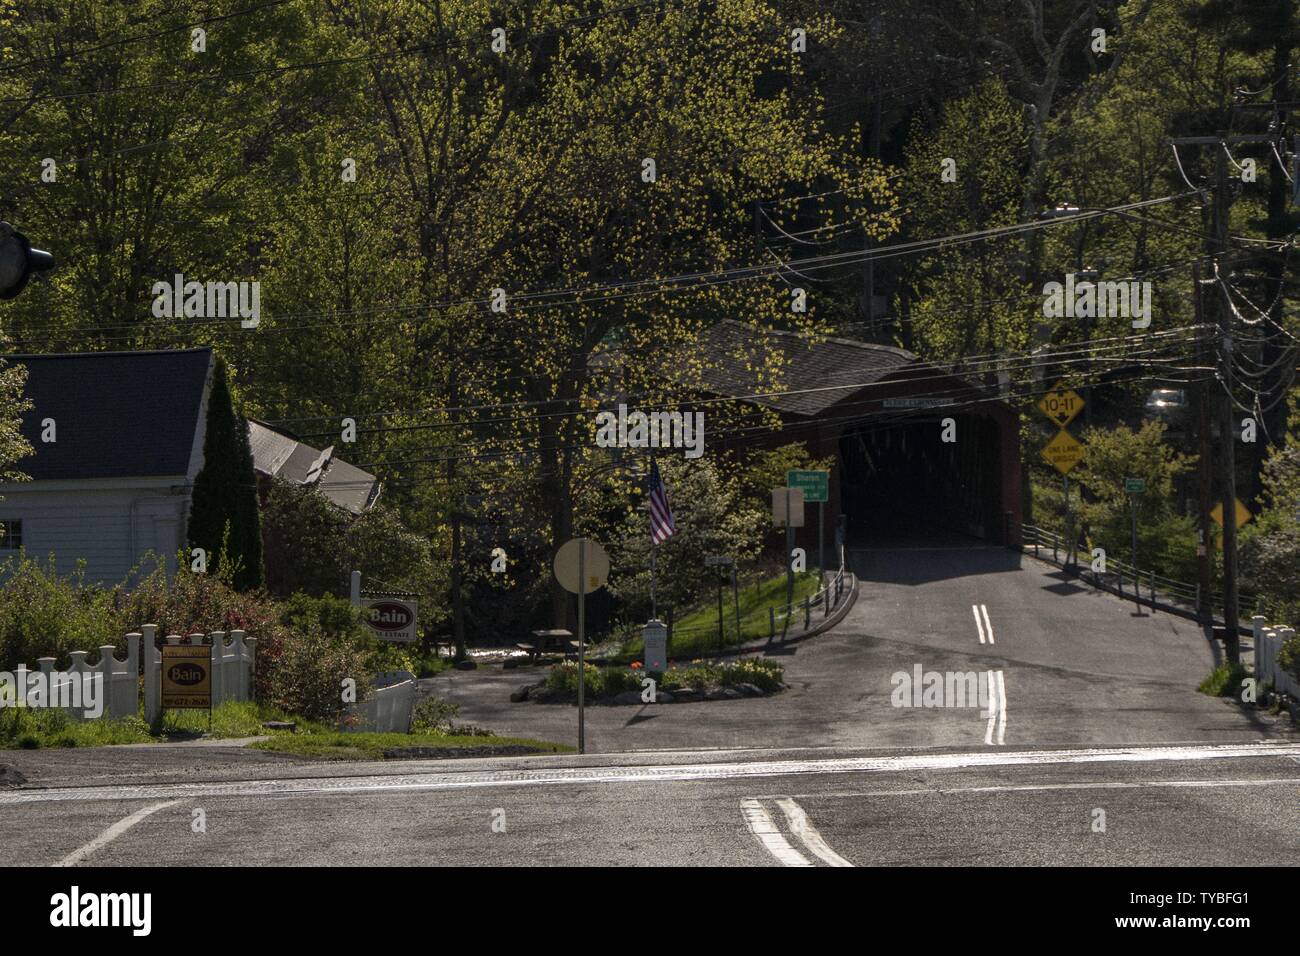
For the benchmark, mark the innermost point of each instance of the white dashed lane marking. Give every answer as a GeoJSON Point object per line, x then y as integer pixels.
{"type": "Point", "coordinates": [112, 833]}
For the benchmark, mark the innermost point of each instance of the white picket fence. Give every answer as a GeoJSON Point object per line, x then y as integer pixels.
{"type": "Point", "coordinates": [1268, 641]}
{"type": "Point", "coordinates": [116, 679]}
{"type": "Point", "coordinates": [233, 666]}
{"type": "Point", "coordinates": [232, 674]}
{"type": "Point", "coordinates": [388, 706]}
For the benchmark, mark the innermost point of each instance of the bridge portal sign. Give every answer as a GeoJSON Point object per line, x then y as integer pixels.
{"type": "Point", "coordinates": [1061, 404]}
{"type": "Point", "coordinates": [1063, 452]}
{"type": "Point", "coordinates": [815, 484]}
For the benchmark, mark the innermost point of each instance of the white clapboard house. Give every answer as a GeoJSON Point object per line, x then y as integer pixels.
{"type": "Point", "coordinates": [118, 442]}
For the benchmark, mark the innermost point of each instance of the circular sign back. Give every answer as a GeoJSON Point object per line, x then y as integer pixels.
{"type": "Point", "coordinates": [595, 565]}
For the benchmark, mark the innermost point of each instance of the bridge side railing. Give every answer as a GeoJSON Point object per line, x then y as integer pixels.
{"type": "Point", "coordinates": [827, 598]}
{"type": "Point", "coordinates": [1127, 581]}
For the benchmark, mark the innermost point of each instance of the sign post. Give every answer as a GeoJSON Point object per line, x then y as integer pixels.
{"type": "Point", "coordinates": [787, 509]}
{"type": "Point", "coordinates": [718, 561]}
{"type": "Point", "coordinates": [816, 487]}
{"type": "Point", "coordinates": [1063, 452]}
{"type": "Point", "coordinates": [1135, 487]}
{"type": "Point", "coordinates": [581, 566]}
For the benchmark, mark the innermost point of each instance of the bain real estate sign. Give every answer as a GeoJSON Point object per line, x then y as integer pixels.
{"type": "Point", "coordinates": [391, 619]}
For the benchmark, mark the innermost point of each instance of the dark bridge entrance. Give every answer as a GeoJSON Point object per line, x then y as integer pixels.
{"type": "Point", "coordinates": [902, 479]}
{"type": "Point", "coordinates": [880, 412]}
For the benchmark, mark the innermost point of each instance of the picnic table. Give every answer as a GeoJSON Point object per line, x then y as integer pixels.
{"type": "Point", "coordinates": [544, 641]}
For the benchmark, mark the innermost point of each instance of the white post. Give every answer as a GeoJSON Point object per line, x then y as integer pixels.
{"type": "Point", "coordinates": [356, 589]}
{"type": "Point", "coordinates": [240, 689]}
{"type": "Point", "coordinates": [218, 667]}
{"type": "Point", "coordinates": [249, 669]}
{"type": "Point", "coordinates": [152, 675]}
{"type": "Point", "coordinates": [105, 668]}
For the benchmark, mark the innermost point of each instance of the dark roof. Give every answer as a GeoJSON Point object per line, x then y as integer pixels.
{"type": "Point", "coordinates": [280, 455]}
{"type": "Point", "coordinates": [808, 369]}
{"type": "Point", "coordinates": [116, 414]}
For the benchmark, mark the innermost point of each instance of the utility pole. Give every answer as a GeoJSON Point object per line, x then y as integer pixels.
{"type": "Point", "coordinates": [1203, 464]}
{"type": "Point", "coordinates": [1222, 266]}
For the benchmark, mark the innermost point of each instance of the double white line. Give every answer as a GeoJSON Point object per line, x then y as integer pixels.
{"type": "Point", "coordinates": [996, 682]}
{"type": "Point", "coordinates": [985, 626]}
{"type": "Point", "coordinates": [770, 836]}
{"type": "Point", "coordinates": [997, 708]}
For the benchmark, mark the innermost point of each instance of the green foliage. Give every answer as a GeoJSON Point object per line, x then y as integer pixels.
{"type": "Point", "coordinates": [762, 672]}
{"type": "Point", "coordinates": [712, 517]}
{"type": "Point", "coordinates": [1288, 657]}
{"type": "Point", "coordinates": [224, 518]}
{"type": "Point", "coordinates": [433, 715]}
{"type": "Point", "coordinates": [43, 615]}
{"type": "Point", "coordinates": [967, 299]}
{"type": "Point", "coordinates": [1270, 546]}
{"type": "Point", "coordinates": [313, 546]}
{"type": "Point", "coordinates": [13, 446]}
{"type": "Point", "coordinates": [1224, 681]}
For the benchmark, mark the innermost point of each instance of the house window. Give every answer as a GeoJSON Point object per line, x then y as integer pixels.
{"type": "Point", "coordinates": [11, 535]}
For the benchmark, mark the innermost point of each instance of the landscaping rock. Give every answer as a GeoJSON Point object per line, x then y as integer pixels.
{"type": "Point", "coordinates": [663, 697]}
{"type": "Point", "coordinates": [279, 725]}
{"type": "Point", "coordinates": [684, 695]}
{"type": "Point", "coordinates": [520, 694]}
{"type": "Point", "coordinates": [715, 694]}
{"type": "Point", "coordinates": [628, 697]}
{"type": "Point", "coordinates": [510, 664]}
{"type": "Point", "coordinates": [466, 666]}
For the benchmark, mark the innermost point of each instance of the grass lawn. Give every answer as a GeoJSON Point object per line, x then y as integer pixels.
{"type": "Point", "coordinates": [337, 745]}
{"type": "Point", "coordinates": [696, 634]}
{"type": "Point", "coordinates": [32, 729]}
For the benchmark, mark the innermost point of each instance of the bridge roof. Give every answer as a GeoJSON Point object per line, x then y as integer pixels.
{"type": "Point", "coordinates": [814, 374]}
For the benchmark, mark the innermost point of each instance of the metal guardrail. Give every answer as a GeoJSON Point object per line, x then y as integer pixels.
{"type": "Point", "coordinates": [823, 597]}
{"type": "Point", "coordinates": [1178, 595]}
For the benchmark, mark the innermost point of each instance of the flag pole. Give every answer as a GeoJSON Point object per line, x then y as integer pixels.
{"type": "Point", "coordinates": [654, 551]}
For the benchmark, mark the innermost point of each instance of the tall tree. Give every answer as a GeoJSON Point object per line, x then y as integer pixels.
{"type": "Point", "coordinates": [223, 510]}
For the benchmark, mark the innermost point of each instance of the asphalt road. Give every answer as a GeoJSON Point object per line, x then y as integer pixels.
{"type": "Point", "coordinates": [1093, 748]}
{"type": "Point", "coordinates": [1077, 666]}
{"type": "Point", "coordinates": [1160, 806]}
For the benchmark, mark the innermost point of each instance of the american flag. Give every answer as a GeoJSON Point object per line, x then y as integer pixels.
{"type": "Point", "coordinates": [662, 525]}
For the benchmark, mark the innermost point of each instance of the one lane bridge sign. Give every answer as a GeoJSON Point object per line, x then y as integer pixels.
{"type": "Point", "coordinates": [1064, 452]}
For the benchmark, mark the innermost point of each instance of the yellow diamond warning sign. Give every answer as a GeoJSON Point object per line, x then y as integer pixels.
{"type": "Point", "coordinates": [1063, 452]}
{"type": "Point", "coordinates": [1061, 404]}
{"type": "Point", "coordinates": [1242, 512]}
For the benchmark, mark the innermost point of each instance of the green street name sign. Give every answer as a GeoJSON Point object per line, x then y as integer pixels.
{"type": "Point", "coordinates": [815, 484]}
{"type": "Point", "coordinates": [1135, 486]}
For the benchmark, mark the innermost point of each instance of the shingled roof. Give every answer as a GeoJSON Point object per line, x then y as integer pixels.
{"type": "Point", "coordinates": [809, 370]}
{"type": "Point", "coordinates": [280, 455]}
{"type": "Point", "coordinates": [116, 414]}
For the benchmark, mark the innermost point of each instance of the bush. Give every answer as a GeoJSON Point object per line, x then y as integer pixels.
{"type": "Point", "coordinates": [1288, 657]}
{"type": "Point", "coordinates": [763, 673]}
{"type": "Point", "coordinates": [1224, 681]}
{"type": "Point", "coordinates": [434, 715]}
{"type": "Point", "coordinates": [563, 679]}
{"type": "Point", "coordinates": [43, 615]}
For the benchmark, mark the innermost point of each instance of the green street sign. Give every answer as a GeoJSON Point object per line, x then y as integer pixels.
{"type": "Point", "coordinates": [815, 484]}
{"type": "Point", "coordinates": [1135, 486]}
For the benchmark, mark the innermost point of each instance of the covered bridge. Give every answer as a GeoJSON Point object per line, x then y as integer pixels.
{"type": "Point", "coordinates": [879, 411]}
